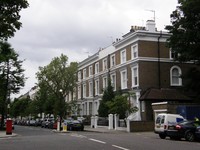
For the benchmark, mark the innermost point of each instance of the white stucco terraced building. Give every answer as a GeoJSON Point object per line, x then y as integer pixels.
{"type": "Point", "coordinates": [136, 63]}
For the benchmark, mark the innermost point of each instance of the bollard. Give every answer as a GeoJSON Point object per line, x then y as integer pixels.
{"type": "Point", "coordinates": [64, 127]}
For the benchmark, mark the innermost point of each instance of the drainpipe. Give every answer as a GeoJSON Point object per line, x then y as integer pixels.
{"type": "Point", "coordinates": [159, 85]}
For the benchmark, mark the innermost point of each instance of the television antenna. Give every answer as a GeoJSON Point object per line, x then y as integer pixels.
{"type": "Point", "coordinates": [154, 14]}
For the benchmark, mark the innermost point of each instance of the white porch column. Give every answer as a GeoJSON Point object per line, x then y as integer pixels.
{"type": "Point", "coordinates": [110, 123]}
{"type": "Point", "coordinates": [138, 113]}
{"type": "Point", "coordinates": [93, 108]}
{"type": "Point", "coordinates": [87, 108]}
{"type": "Point", "coordinates": [98, 103]}
{"type": "Point", "coordinates": [81, 111]}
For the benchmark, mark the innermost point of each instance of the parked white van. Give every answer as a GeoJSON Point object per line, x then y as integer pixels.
{"type": "Point", "coordinates": [164, 120]}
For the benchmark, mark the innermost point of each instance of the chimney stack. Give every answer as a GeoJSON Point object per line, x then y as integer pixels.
{"type": "Point", "coordinates": [151, 26]}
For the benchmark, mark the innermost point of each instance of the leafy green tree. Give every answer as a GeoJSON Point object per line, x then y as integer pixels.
{"type": "Point", "coordinates": [108, 95]}
{"type": "Point", "coordinates": [120, 105]}
{"type": "Point", "coordinates": [44, 101]}
{"type": "Point", "coordinates": [185, 39]}
{"type": "Point", "coordinates": [185, 30]}
{"type": "Point", "coordinates": [9, 17]}
{"type": "Point", "coordinates": [21, 107]}
{"type": "Point", "coordinates": [59, 78]}
{"type": "Point", "coordinates": [11, 75]}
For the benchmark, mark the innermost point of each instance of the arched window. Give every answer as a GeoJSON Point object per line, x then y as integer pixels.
{"type": "Point", "coordinates": [175, 76]}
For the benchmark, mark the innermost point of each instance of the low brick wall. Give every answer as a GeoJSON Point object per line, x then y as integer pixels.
{"type": "Point", "coordinates": [140, 126]}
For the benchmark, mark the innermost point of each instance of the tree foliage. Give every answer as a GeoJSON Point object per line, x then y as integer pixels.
{"type": "Point", "coordinates": [185, 39]}
{"type": "Point", "coordinates": [21, 107]}
{"type": "Point", "coordinates": [185, 29]}
{"type": "Point", "coordinates": [9, 17]}
{"type": "Point", "coordinates": [57, 79]}
{"type": "Point", "coordinates": [121, 106]}
{"type": "Point", "coordinates": [108, 95]}
{"type": "Point", "coordinates": [115, 103]}
{"type": "Point", "coordinates": [11, 75]}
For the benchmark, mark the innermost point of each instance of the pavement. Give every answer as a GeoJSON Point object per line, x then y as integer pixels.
{"type": "Point", "coordinates": [4, 135]}
{"type": "Point", "coordinates": [100, 129]}
{"type": "Point", "coordinates": [104, 129]}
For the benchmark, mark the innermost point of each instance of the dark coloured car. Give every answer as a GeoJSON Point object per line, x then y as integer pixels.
{"type": "Point", "coordinates": [74, 125]}
{"type": "Point", "coordinates": [197, 133]}
{"type": "Point", "coordinates": [38, 122]}
{"type": "Point", "coordinates": [185, 129]}
{"type": "Point", "coordinates": [32, 123]}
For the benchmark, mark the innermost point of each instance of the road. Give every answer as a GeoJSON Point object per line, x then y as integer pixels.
{"type": "Point", "coordinates": [36, 138]}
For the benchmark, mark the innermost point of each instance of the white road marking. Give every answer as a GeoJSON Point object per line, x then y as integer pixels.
{"type": "Point", "coordinates": [120, 147]}
{"type": "Point", "coordinates": [78, 135]}
{"type": "Point", "coordinates": [97, 141]}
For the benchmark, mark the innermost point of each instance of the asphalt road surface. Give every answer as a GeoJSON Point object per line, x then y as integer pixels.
{"type": "Point", "coordinates": [36, 138]}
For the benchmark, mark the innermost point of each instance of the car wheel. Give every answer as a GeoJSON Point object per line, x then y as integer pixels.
{"type": "Point", "coordinates": [162, 136]}
{"type": "Point", "coordinates": [189, 136]}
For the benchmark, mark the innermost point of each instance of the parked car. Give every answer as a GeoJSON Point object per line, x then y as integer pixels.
{"type": "Point", "coordinates": [52, 124]}
{"type": "Point", "coordinates": [74, 125]}
{"type": "Point", "coordinates": [197, 133]}
{"type": "Point", "coordinates": [38, 122]}
{"type": "Point", "coordinates": [32, 122]}
{"type": "Point", "coordinates": [163, 121]}
{"type": "Point", "coordinates": [186, 129]}
{"type": "Point", "coordinates": [46, 122]}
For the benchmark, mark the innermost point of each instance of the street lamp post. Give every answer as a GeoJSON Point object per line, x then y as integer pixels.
{"type": "Point", "coordinates": [60, 118]}
{"type": "Point", "coordinates": [8, 109]}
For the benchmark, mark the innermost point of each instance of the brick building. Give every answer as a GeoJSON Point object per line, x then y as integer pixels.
{"type": "Point", "coordinates": [137, 63]}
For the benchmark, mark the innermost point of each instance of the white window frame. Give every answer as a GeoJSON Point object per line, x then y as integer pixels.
{"type": "Point", "coordinates": [112, 60]}
{"type": "Point", "coordinates": [135, 76]}
{"type": "Point", "coordinates": [134, 51]}
{"type": "Point", "coordinates": [123, 75]}
{"type": "Point", "coordinates": [97, 68]}
{"type": "Point", "coordinates": [105, 64]}
{"type": "Point", "coordinates": [113, 81]}
{"type": "Point", "coordinates": [84, 73]}
{"type": "Point", "coordinates": [105, 82]}
{"type": "Point", "coordinates": [79, 92]}
{"type": "Point", "coordinates": [84, 90]}
{"type": "Point", "coordinates": [123, 56]}
{"type": "Point", "coordinates": [79, 76]}
{"type": "Point", "coordinates": [90, 89]}
{"type": "Point", "coordinates": [90, 71]}
{"type": "Point", "coordinates": [175, 76]}
{"type": "Point", "coordinates": [173, 55]}
{"type": "Point", "coordinates": [96, 87]}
